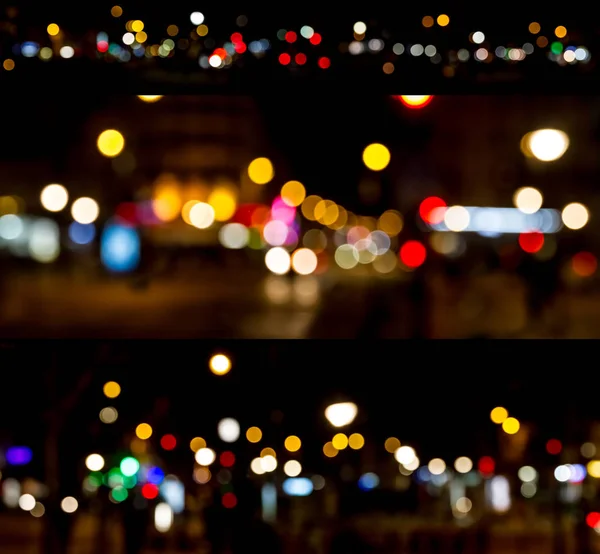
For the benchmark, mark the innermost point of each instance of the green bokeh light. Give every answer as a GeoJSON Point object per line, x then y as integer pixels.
{"type": "Point", "coordinates": [119, 494]}
{"type": "Point", "coordinates": [129, 466]}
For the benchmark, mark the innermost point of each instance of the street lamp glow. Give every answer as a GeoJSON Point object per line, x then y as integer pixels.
{"type": "Point", "coordinates": [220, 364]}
{"type": "Point", "coordinates": [546, 145]}
{"type": "Point", "coordinates": [150, 99]}
{"type": "Point", "coordinates": [341, 414]}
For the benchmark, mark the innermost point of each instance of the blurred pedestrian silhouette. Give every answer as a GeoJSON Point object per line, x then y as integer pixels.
{"type": "Point", "coordinates": [482, 537]}
{"type": "Point", "coordinates": [420, 300]}
{"type": "Point", "coordinates": [135, 526]}
{"type": "Point", "coordinates": [249, 533]}
{"type": "Point", "coordinates": [240, 530]}
{"type": "Point", "coordinates": [58, 530]}
{"type": "Point", "coordinates": [216, 528]}
{"type": "Point", "coordinates": [542, 280]}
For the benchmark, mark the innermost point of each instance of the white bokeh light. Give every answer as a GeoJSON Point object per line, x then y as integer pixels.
{"type": "Point", "coordinates": [54, 197]}
{"type": "Point", "coordinates": [405, 455]}
{"type": "Point", "coordinates": [197, 18]}
{"type": "Point", "coordinates": [278, 261]}
{"type": "Point", "coordinates": [85, 210]}
{"type": "Point", "coordinates": [547, 145]}
{"type": "Point", "coordinates": [457, 218]}
{"type": "Point", "coordinates": [528, 200]}
{"type": "Point", "coordinates": [341, 414]}
{"type": "Point", "coordinates": [228, 429]}
{"type": "Point", "coordinates": [205, 456]}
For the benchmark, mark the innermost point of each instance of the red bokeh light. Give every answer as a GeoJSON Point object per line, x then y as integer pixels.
{"type": "Point", "coordinates": [584, 264]}
{"type": "Point", "coordinates": [300, 59]}
{"type": "Point", "coordinates": [149, 491]}
{"type": "Point", "coordinates": [236, 37]}
{"type": "Point", "coordinates": [553, 446]}
{"type": "Point", "coordinates": [429, 212]}
{"type": "Point", "coordinates": [168, 442]}
{"type": "Point", "coordinates": [415, 102]}
{"type": "Point", "coordinates": [324, 62]}
{"type": "Point", "coordinates": [102, 46]}
{"type": "Point", "coordinates": [127, 212]}
{"type": "Point", "coordinates": [245, 212]}
{"type": "Point", "coordinates": [531, 242]}
{"type": "Point", "coordinates": [240, 47]}
{"type": "Point", "coordinates": [315, 39]}
{"type": "Point", "coordinates": [291, 37]}
{"type": "Point", "coordinates": [487, 465]}
{"type": "Point", "coordinates": [221, 52]}
{"type": "Point", "coordinates": [227, 459]}
{"type": "Point", "coordinates": [413, 254]}
{"type": "Point", "coordinates": [284, 59]}
{"type": "Point", "coordinates": [593, 519]}
{"type": "Point", "coordinates": [229, 500]}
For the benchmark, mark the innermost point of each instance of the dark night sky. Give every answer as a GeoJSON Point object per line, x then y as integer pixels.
{"type": "Point", "coordinates": [501, 23]}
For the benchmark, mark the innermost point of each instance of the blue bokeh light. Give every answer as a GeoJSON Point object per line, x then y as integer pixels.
{"type": "Point", "coordinates": [120, 248]}
{"type": "Point", "coordinates": [368, 481]}
{"type": "Point", "coordinates": [298, 486]}
{"type": "Point", "coordinates": [81, 233]}
{"type": "Point", "coordinates": [155, 475]}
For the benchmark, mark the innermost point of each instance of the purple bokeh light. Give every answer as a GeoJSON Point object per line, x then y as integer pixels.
{"type": "Point", "coordinates": [18, 455]}
{"type": "Point", "coordinates": [282, 212]}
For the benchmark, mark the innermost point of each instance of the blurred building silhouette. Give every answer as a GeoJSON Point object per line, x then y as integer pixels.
{"type": "Point", "coordinates": [476, 156]}
{"type": "Point", "coordinates": [194, 138]}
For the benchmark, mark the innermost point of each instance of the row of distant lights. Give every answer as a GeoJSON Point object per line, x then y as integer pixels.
{"type": "Point", "coordinates": [571, 55]}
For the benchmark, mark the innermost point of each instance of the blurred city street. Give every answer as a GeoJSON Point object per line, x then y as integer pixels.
{"type": "Point", "coordinates": [216, 304]}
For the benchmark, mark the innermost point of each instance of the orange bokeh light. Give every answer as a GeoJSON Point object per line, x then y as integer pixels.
{"type": "Point", "coordinates": [584, 264]}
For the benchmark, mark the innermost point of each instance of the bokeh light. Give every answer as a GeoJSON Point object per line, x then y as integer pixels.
{"type": "Point", "coordinates": [111, 143]}
{"type": "Point", "coordinates": [143, 431]}
{"type": "Point", "coordinates": [376, 157]}
{"type": "Point", "coordinates": [498, 415]}
{"type": "Point", "coordinates": [413, 254]}
{"type": "Point", "coordinates": [529, 200]}
{"type": "Point", "coordinates": [220, 364]}
{"type": "Point", "coordinates": [85, 210]}
{"type": "Point", "coordinates": [293, 193]}
{"type": "Point", "coordinates": [416, 102]}
{"type": "Point", "coordinates": [54, 198]}
{"type": "Point", "coordinates": [575, 216]}
{"type": "Point", "coordinates": [511, 426]}
{"type": "Point", "coordinates": [150, 99]}
{"type": "Point", "coordinates": [292, 443]}
{"type": "Point", "coordinates": [111, 389]}
{"type": "Point", "coordinates": [254, 435]}
{"type": "Point", "coordinates": [545, 145]}
{"type": "Point", "coordinates": [261, 171]}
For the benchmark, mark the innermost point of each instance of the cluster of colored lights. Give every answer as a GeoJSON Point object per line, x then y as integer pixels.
{"type": "Point", "coordinates": [152, 482]}
{"type": "Point", "coordinates": [300, 58]}
{"type": "Point", "coordinates": [135, 44]}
